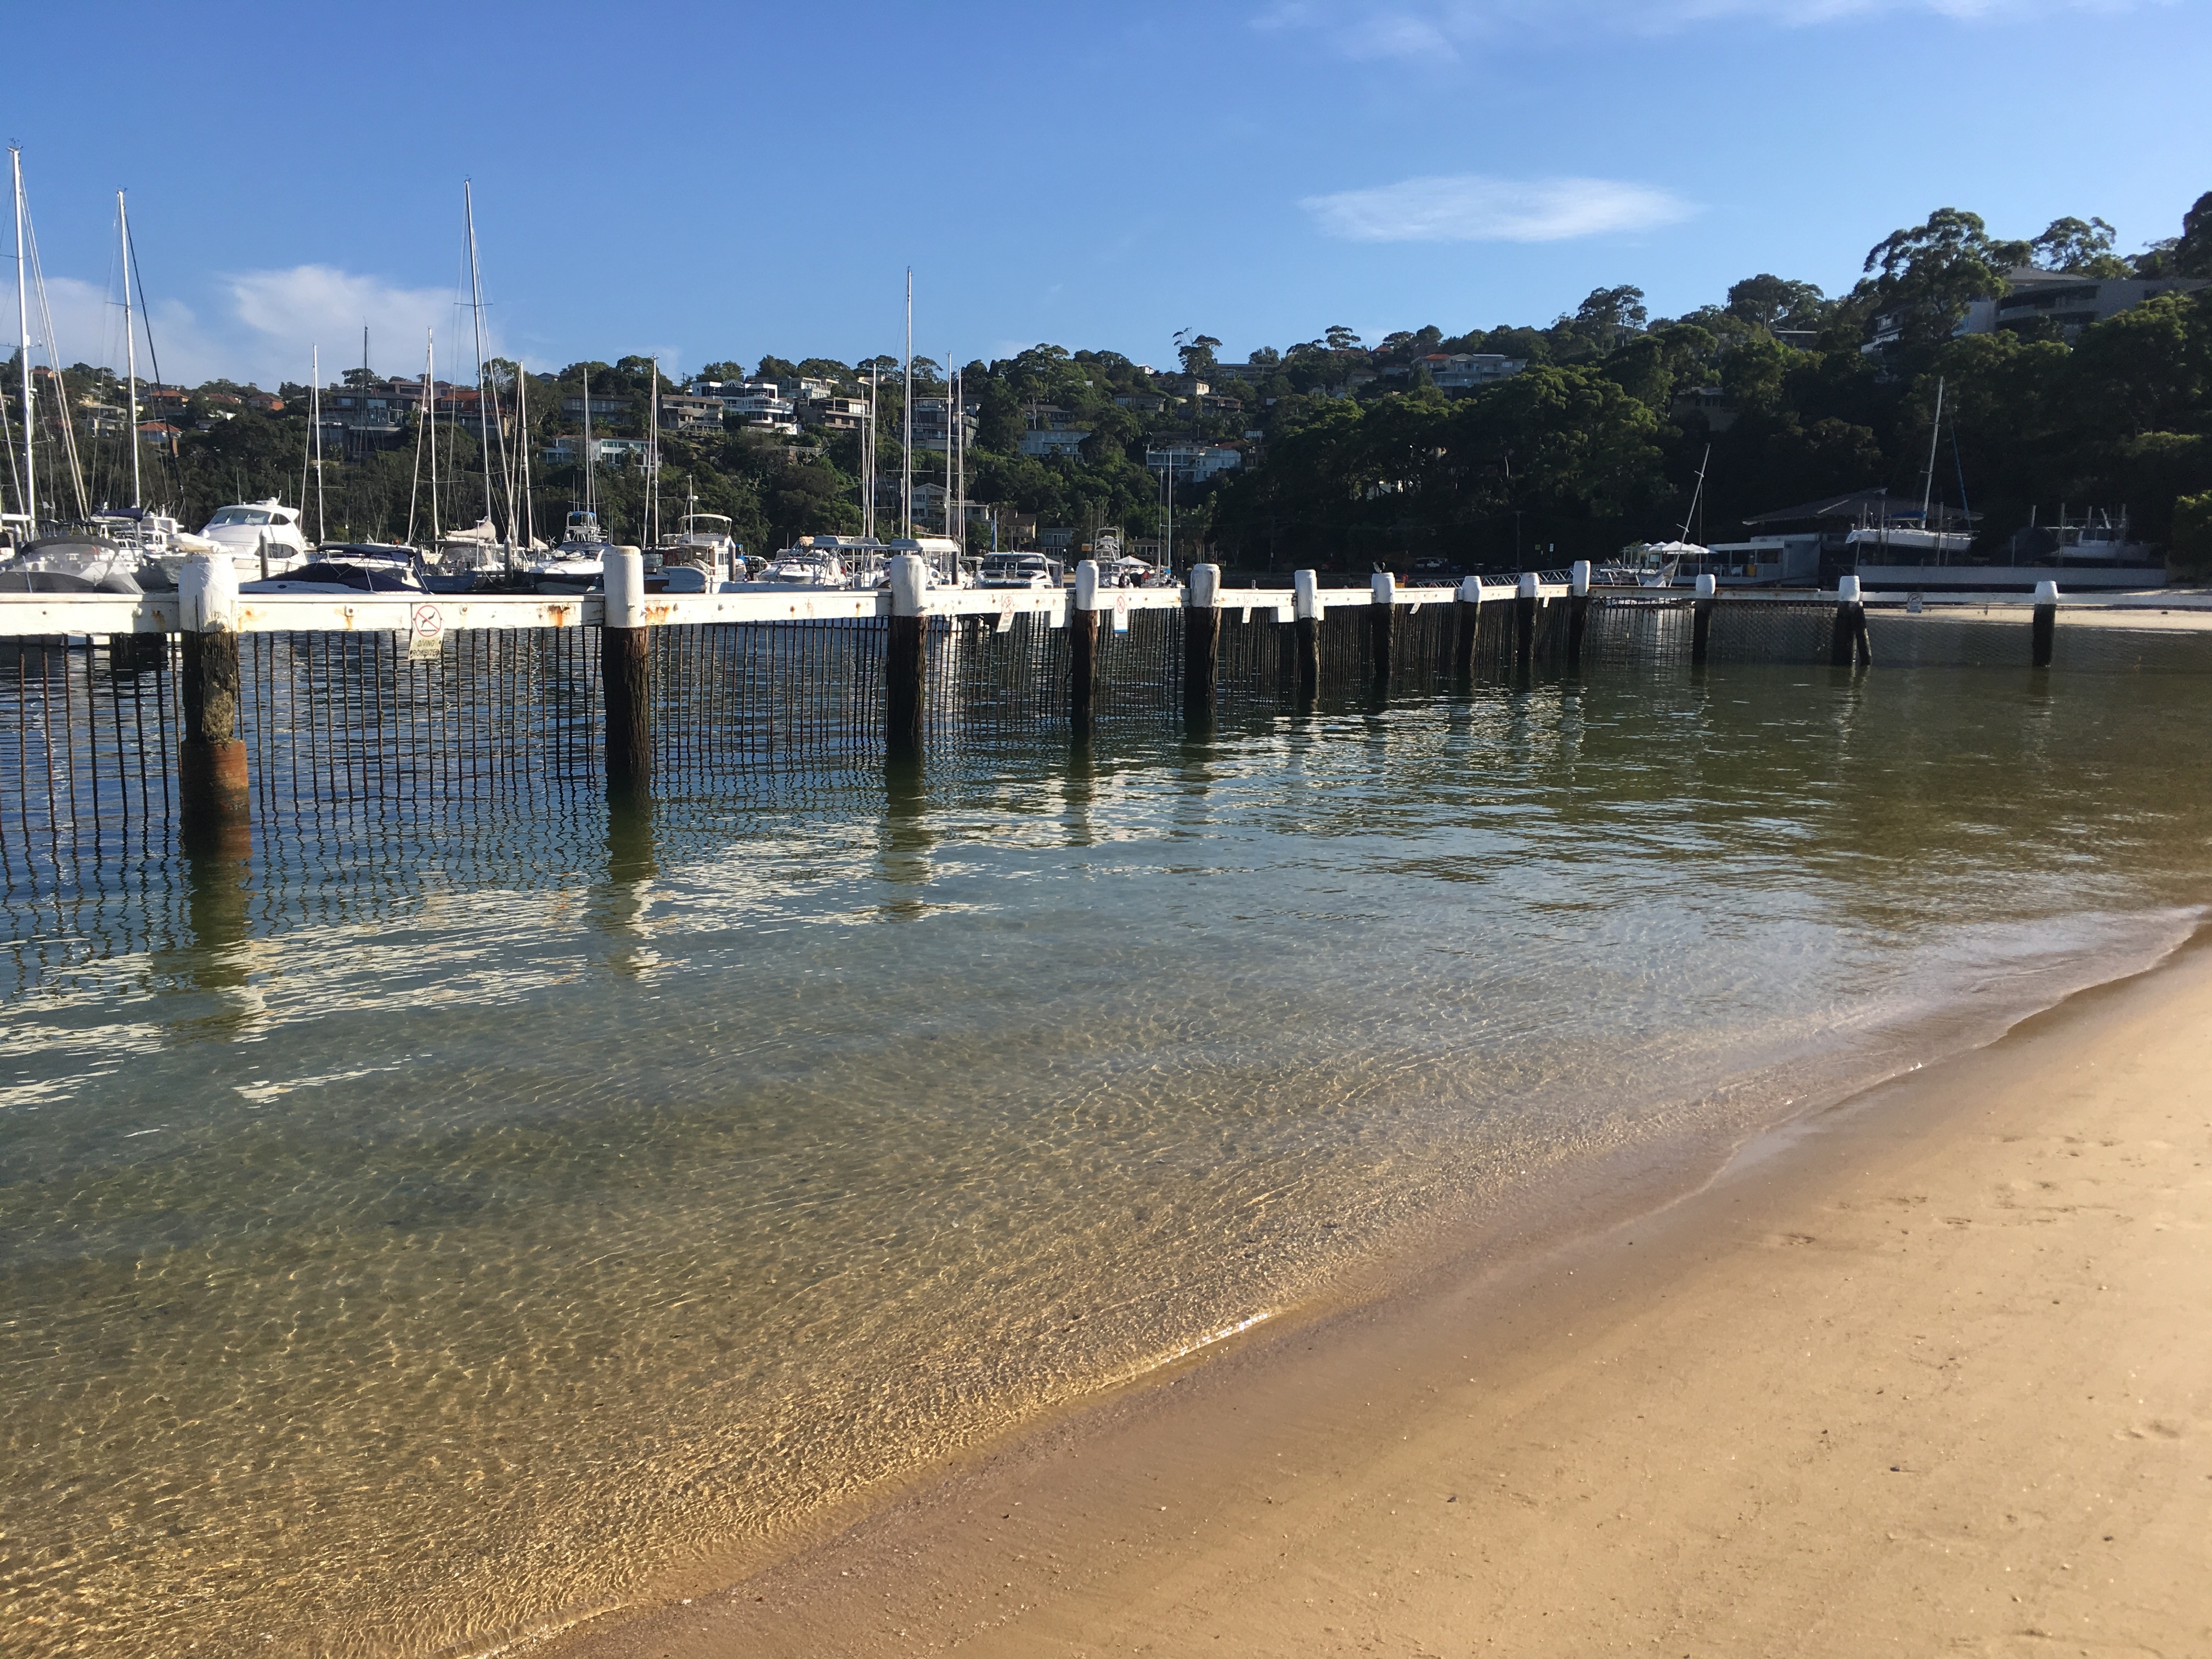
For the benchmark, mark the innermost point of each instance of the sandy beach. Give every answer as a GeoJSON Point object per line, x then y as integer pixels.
{"type": "Point", "coordinates": [1928, 1373]}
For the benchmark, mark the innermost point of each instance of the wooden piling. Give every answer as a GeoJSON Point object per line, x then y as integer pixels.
{"type": "Point", "coordinates": [1524, 622]}
{"type": "Point", "coordinates": [1083, 647]}
{"type": "Point", "coordinates": [1381, 630]}
{"type": "Point", "coordinates": [905, 659]}
{"type": "Point", "coordinates": [1201, 642]}
{"type": "Point", "coordinates": [2042, 633]}
{"type": "Point", "coordinates": [1467, 616]}
{"type": "Point", "coordinates": [1306, 612]}
{"type": "Point", "coordinates": [1701, 620]}
{"type": "Point", "coordinates": [1850, 642]}
{"type": "Point", "coordinates": [1578, 604]}
{"type": "Point", "coordinates": [214, 789]}
{"type": "Point", "coordinates": [626, 676]}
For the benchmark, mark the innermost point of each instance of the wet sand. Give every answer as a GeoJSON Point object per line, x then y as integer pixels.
{"type": "Point", "coordinates": [1932, 1372]}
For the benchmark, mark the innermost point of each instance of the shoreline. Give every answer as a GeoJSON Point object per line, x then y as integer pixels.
{"type": "Point", "coordinates": [1162, 1507]}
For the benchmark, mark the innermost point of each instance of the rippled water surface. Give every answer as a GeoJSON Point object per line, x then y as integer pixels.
{"type": "Point", "coordinates": [410, 1242]}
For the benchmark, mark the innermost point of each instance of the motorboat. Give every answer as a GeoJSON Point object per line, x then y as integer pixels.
{"type": "Point", "coordinates": [1646, 564]}
{"type": "Point", "coordinates": [153, 533]}
{"type": "Point", "coordinates": [479, 550]}
{"type": "Point", "coordinates": [1128, 570]}
{"type": "Point", "coordinates": [342, 567]}
{"type": "Point", "coordinates": [813, 561]}
{"type": "Point", "coordinates": [940, 558]}
{"type": "Point", "coordinates": [73, 561]}
{"type": "Point", "coordinates": [578, 563]}
{"type": "Point", "coordinates": [263, 538]}
{"type": "Point", "coordinates": [705, 543]}
{"type": "Point", "coordinates": [1018, 570]}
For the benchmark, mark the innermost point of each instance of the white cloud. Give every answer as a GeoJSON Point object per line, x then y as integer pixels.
{"type": "Point", "coordinates": [275, 319]}
{"type": "Point", "coordinates": [284, 313]}
{"type": "Point", "coordinates": [1473, 207]}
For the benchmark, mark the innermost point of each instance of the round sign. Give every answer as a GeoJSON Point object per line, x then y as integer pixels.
{"type": "Point", "coordinates": [429, 622]}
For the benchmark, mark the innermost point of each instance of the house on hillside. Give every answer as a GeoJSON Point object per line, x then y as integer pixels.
{"type": "Point", "coordinates": [2032, 297]}
{"type": "Point", "coordinates": [1194, 463]}
{"type": "Point", "coordinates": [687, 412]}
{"type": "Point", "coordinates": [568, 447]}
{"type": "Point", "coordinates": [1463, 371]}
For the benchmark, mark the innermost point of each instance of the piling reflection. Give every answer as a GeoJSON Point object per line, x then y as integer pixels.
{"type": "Point", "coordinates": [908, 842]}
{"type": "Point", "coordinates": [619, 906]}
{"type": "Point", "coordinates": [212, 993]}
{"type": "Point", "coordinates": [1078, 793]}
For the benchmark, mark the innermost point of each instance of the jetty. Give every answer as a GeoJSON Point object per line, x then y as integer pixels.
{"type": "Point", "coordinates": [146, 721]}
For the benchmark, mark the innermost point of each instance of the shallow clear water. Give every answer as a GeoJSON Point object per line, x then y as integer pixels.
{"type": "Point", "coordinates": [423, 1239]}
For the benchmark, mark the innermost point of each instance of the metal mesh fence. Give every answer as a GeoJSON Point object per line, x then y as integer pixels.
{"type": "Point", "coordinates": [88, 757]}
{"type": "Point", "coordinates": [352, 736]}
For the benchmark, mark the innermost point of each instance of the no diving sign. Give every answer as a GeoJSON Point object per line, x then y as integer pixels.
{"type": "Point", "coordinates": [426, 631]}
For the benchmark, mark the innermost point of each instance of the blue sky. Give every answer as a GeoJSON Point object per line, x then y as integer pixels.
{"type": "Point", "coordinates": [719, 181]}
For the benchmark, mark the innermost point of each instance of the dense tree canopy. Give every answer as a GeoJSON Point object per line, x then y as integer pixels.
{"type": "Point", "coordinates": [1349, 453]}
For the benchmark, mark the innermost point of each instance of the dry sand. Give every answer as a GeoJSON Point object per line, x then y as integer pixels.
{"type": "Point", "coordinates": [1931, 1373]}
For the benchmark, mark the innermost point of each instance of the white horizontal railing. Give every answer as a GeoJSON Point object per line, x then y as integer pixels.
{"type": "Point", "coordinates": [32, 615]}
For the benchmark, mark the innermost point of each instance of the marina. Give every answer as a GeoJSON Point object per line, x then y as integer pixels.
{"type": "Point", "coordinates": [864, 901]}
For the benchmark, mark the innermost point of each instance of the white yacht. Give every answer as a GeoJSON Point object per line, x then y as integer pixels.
{"type": "Point", "coordinates": [940, 555]}
{"type": "Point", "coordinates": [1018, 570]}
{"type": "Point", "coordinates": [153, 533]}
{"type": "Point", "coordinates": [72, 561]}
{"type": "Point", "coordinates": [577, 562]}
{"type": "Point", "coordinates": [806, 565]}
{"type": "Point", "coordinates": [478, 549]}
{"type": "Point", "coordinates": [242, 530]}
{"type": "Point", "coordinates": [1647, 564]}
{"type": "Point", "coordinates": [705, 542]}
{"type": "Point", "coordinates": [342, 567]}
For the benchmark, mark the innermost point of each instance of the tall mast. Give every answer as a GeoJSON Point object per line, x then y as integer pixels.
{"type": "Point", "coordinates": [591, 483]}
{"type": "Point", "coordinates": [30, 502]}
{"type": "Point", "coordinates": [948, 445]}
{"type": "Point", "coordinates": [652, 463]}
{"type": "Point", "coordinates": [906, 443]}
{"type": "Point", "coordinates": [130, 343]}
{"type": "Point", "coordinates": [522, 448]}
{"type": "Point", "coordinates": [430, 419]}
{"type": "Point", "coordinates": [868, 463]}
{"type": "Point", "coordinates": [476, 308]}
{"type": "Point", "coordinates": [315, 420]}
{"type": "Point", "coordinates": [1928, 485]}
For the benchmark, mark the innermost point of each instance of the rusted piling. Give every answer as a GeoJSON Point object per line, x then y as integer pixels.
{"type": "Point", "coordinates": [1381, 630]}
{"type": "Point", "coordinates": [1201, 641]}
{"type": "Point", "coordinates": [1701, 620]}
{"type": "Point", "coordinates": [214, 798]}
{"type": "Point", "coordinates": [2042, 635]}
{"type": "Point", "coordinates": [1524, 622]}
{"type": "Point", "coordinates": [1305, 611]}
{"type": "Point", "coordinates": [1083, 647]}
{"type": "Point", "coordinates": [1578, 604]}
{"type": "Point", "coordinates": [1850, 643]}
{"type": "Point", "coordinates": [1467, 616]}
{"type": "Point", "coordinates": [906, 657]}
{"type": "Point", "coordinates": [626, 674]}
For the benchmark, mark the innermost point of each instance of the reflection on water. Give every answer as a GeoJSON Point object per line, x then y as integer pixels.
{"type": "Point", "coordinates": [431, 1232]}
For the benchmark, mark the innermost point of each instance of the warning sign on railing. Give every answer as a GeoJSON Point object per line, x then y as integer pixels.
{"type": "Point", "coordinates": [426, 631]}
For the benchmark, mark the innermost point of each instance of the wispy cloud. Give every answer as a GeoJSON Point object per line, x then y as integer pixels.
{"type": "Point", "coordinates": [265, 328]}
{"type": "Point", "coordinates": [1441, 31]}
{"type": "Point", "coordinates": [288, 310]}
{"type": "Point", "coordinates": [1471, 207]}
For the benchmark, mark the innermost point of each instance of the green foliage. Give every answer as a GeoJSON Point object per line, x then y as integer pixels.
{"type": "Point", "coordinates": [2191, 547]}
{"type": "Point", "coordinates": [1362, 459]}
{"type": "Point", "coordinates": [1931, 273]}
